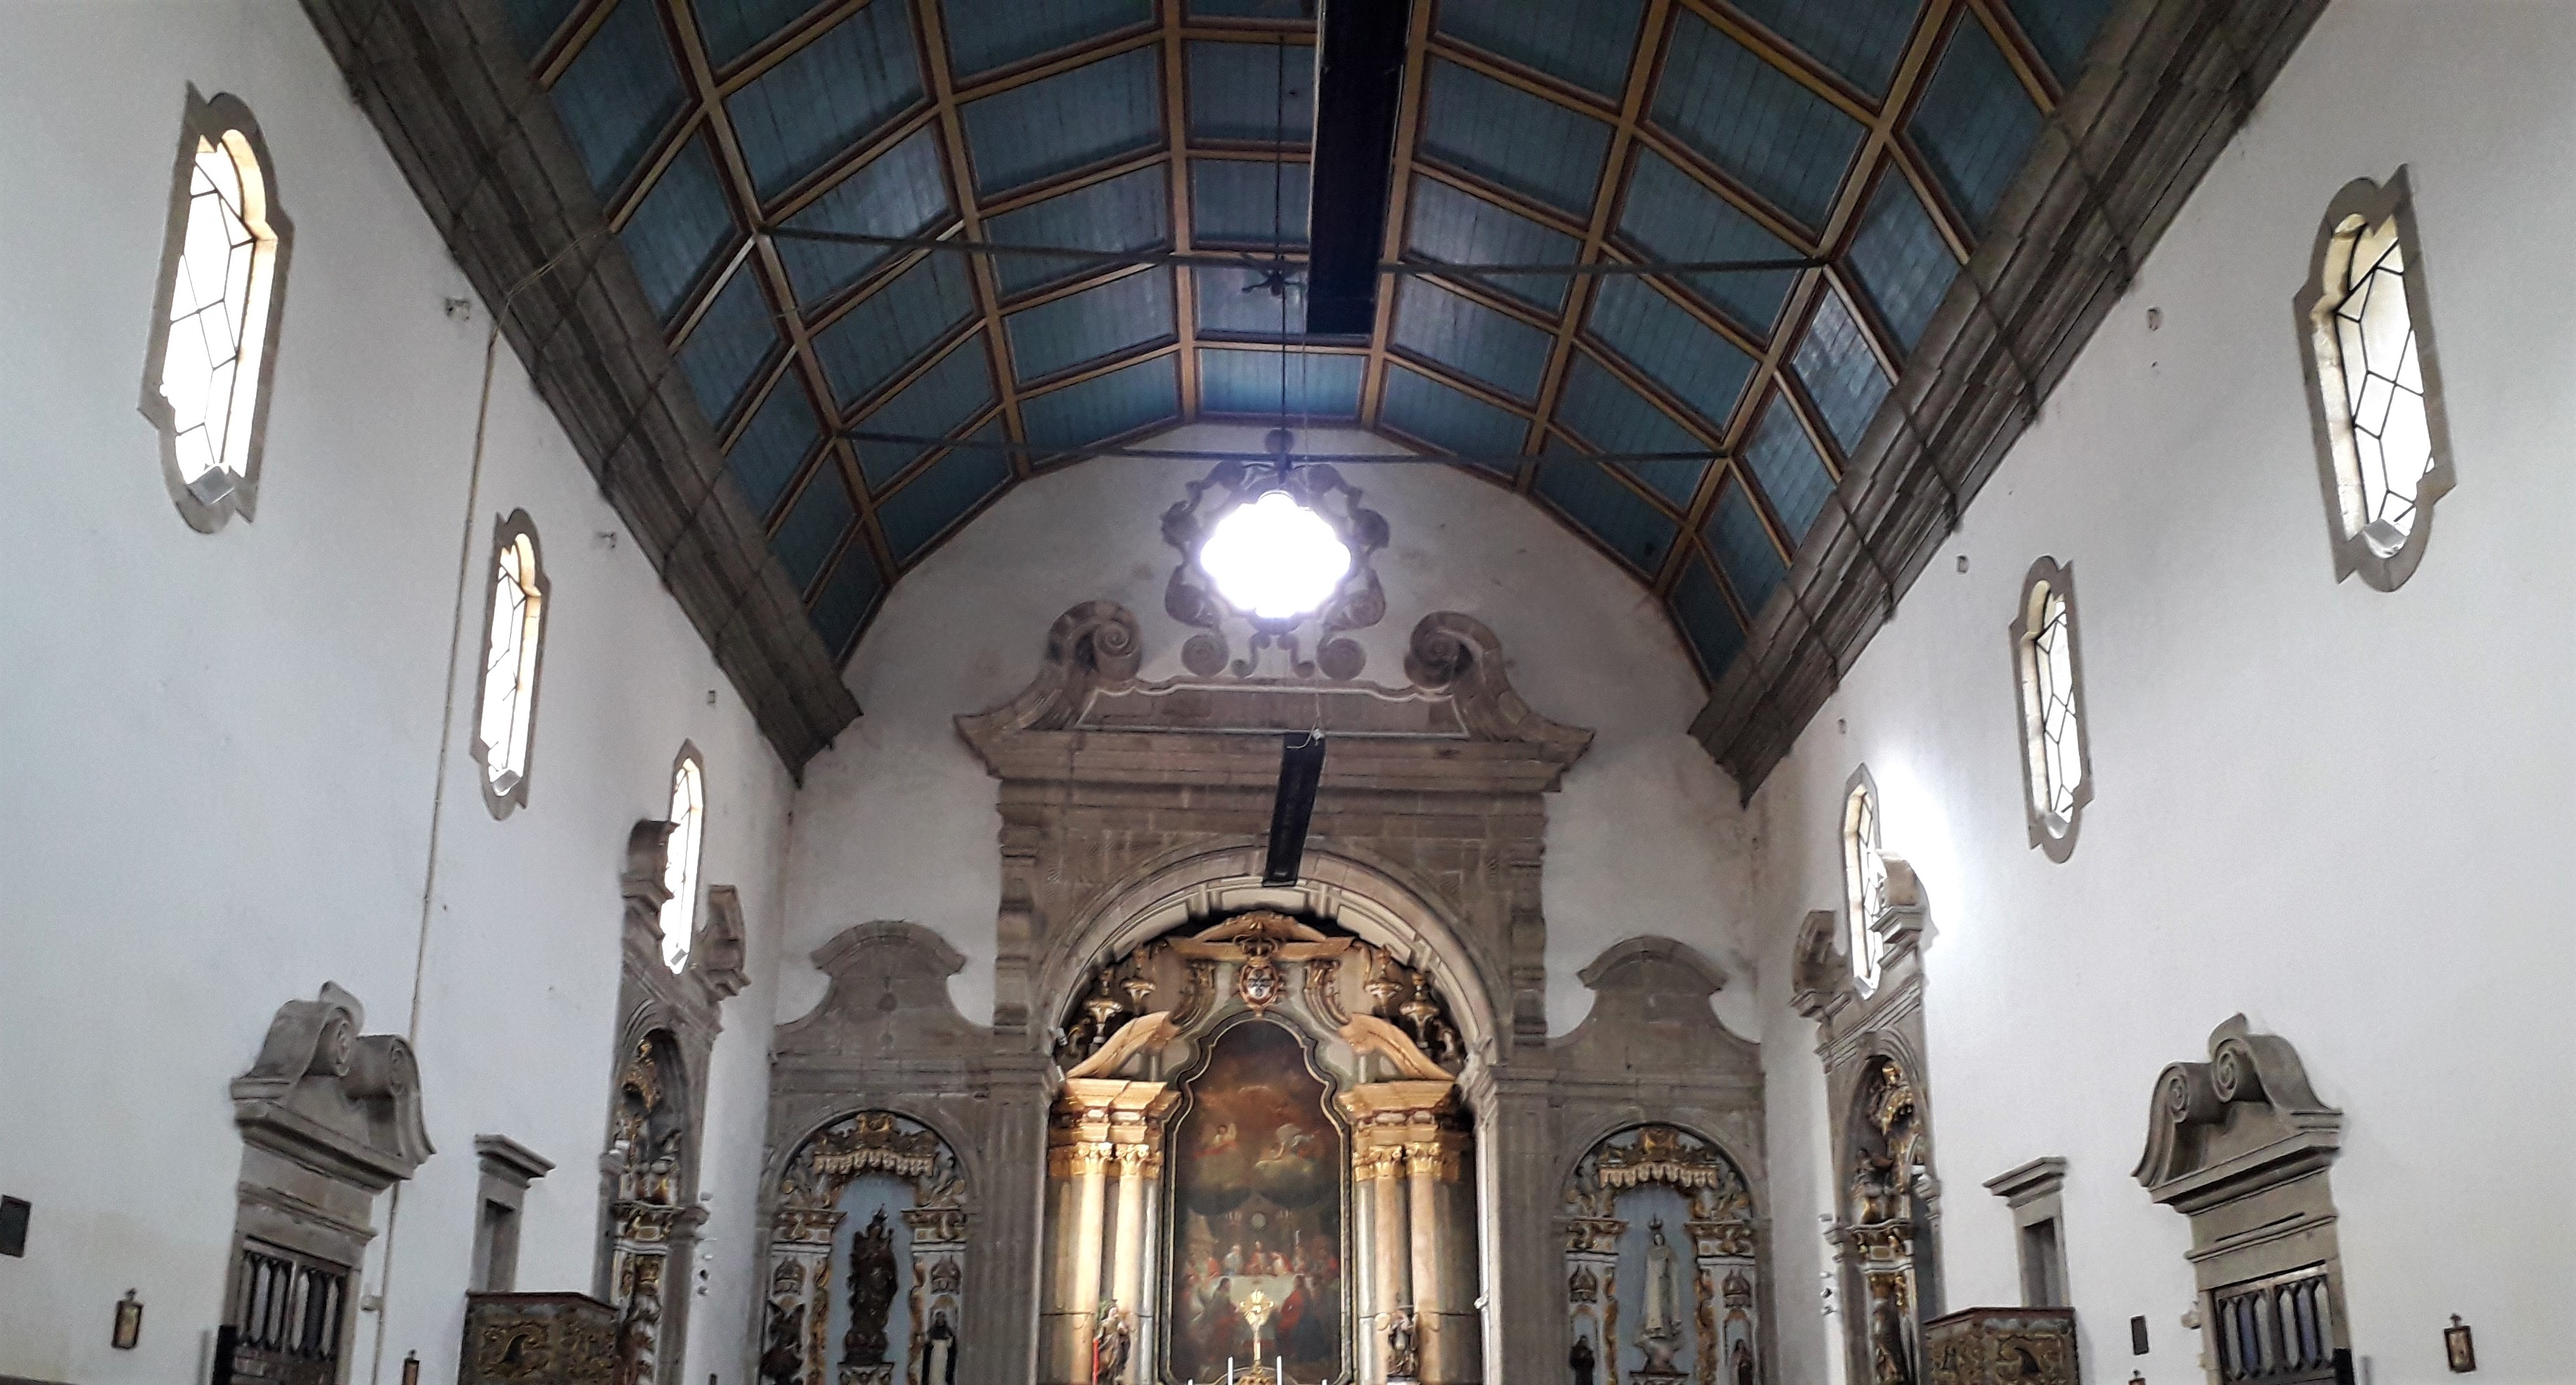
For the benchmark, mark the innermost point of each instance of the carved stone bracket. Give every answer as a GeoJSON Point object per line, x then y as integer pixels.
{"type": "Point", "coordinates": [2242, 1122]}
{"type": "Point", "coordinates": [322, 1094]}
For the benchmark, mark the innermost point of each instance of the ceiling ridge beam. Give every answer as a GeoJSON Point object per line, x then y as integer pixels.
{"type": "Point", "coordinates": [1399, 201]}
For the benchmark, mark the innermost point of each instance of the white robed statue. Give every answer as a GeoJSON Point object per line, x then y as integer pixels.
{"type": "Point", "coordinates": [1659, 1335]}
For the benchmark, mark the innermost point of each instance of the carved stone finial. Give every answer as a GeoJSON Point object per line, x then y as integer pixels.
{"type": "Point", "coordinates": [720, 943]}
{"type": "Point", "coordinates": [2244, 1121]}
{"type": "Point", "coordinates": [324, 1094]}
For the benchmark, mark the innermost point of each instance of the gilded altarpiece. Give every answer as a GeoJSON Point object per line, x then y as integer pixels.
{"type": "Point", "coordinates": [1888, 1220]}
{"type": "Point", "coordinates": [1259, 1160]}
{"type": "Point", "coordinates": [867, 1258]}
{"type": "Point", "coordinates": [1662, 1263]}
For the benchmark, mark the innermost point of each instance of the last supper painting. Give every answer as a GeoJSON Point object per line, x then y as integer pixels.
{"type": "Point", "coordinates": [1257, 1214]}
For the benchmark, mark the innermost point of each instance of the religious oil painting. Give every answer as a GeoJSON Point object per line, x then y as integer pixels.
{"type": "Point", "coordinates": [1256, 1218]}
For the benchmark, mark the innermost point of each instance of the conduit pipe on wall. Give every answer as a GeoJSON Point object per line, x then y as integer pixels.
{"type": "Point", "coordinates": [447, 740]}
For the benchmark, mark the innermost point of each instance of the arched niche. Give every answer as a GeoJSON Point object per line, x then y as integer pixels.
{"type": "Point", "coordinates": [650, 1181]}
{"type": "Point", "coordinates": [1375, 902]}
{"type": "Point", "coordinates": [1889, 1196]}
{"type": "Point", "coordinates": [1665, 1262]}
{"type": "Point", "coordinates": [866, 1280]}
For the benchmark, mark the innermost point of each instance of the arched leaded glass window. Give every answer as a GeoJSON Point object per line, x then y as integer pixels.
{"type": "Point", "coordinates": [506, 696]}
{"type": "Point", "coordinates": [1864, 880]}
{"type": "Point", "coordinates": [680, 857]}
{"type": "Point", "coordinates": [2057, 778]}
{"type": "Point", "coordinates": [2375, 388]}
{"type": "Point", "coordinates": [216, 313]}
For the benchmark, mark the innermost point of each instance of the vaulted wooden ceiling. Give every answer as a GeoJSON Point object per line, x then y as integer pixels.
{"type": "Point", "coordinates": [1872, 135]}
{"type": "Point", "coordinates": [1874, 141]}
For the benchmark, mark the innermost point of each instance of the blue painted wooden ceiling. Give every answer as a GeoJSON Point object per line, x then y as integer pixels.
{"type": "Point", "coordinates": [1876, 136]}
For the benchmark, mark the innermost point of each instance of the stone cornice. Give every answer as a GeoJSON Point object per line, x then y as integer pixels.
{"type": "Point", "coordinates": [1458, 728]}
{"type": "Point", "coordinates": [485, 154]}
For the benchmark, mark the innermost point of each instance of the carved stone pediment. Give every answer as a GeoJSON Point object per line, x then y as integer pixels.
{"type": "Point", "coordinates": [1458, 726]}
{"type": "Point", "coordinates": [889, 989]}
{"type": "Point", "coordinates": [326, 1096]}
{"type": "Point", "coordinates": [1650, 1009]}
{"type": "Point", "coordinates": [2240, 1123]}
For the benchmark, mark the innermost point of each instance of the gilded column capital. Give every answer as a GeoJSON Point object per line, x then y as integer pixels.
{"type": "Point", "coordinates": [1438, 1155]}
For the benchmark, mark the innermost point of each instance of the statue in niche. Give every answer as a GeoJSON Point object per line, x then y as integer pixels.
{"type": "Point", "coordinates": [939, 1351]}
{"type": "Point", "coordinates": [1111, 1342]}
{"type": "Point", "coordinates": [1739, 1368]}
{"type": "Point", "coordinates": [1581, 1361]}
{"type": "Point", "coordinates": [872, 1285]}
{"type": "Point", "coordinates": [1663, 1294]}
{"type": "Point", "coordinates": [1403, 1361]}
{"type": "Point", "coordinates": [782, 1361]}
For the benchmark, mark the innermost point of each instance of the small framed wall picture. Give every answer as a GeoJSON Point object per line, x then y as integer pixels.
{"type": "Point", "coordinates": [129, 1323]}
{"type": "Point", "coordinates": [2458, 1347]}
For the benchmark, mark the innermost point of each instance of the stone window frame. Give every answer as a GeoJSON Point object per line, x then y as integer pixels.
{"type": "Point", "coordinates": [692, 906]}
{"type": "Point", "coordinates": [2359, 205]}
{"type": "Point", "coordinates": [1868, 947]}
{"type": "Point", "coordinates": [508, 1167]}
{"type": "Point", "coordinates": [2034, 1192]}
{"type": "Point", "coordinates": [513, 528]}
{"type": "Point", "coordinates": [227, 123]}
{"type": "Point", "coordinates": [2049, 831]}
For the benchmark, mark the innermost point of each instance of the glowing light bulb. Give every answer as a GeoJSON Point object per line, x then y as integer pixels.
{"type": "Point", "coordinates": [1275, 558]}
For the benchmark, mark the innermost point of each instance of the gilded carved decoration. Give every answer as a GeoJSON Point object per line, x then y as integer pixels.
{"type": "Point", "coordinates": [538, 1339]}
{"type": "Point", "coordinates": [2003, 1346]}
{"type": "Point", "coordinates": [913, 1258]}
{"type": "Point", "coordinates": [1695, 1317]}
{"type": "Point", "coordinates": [1261, 960]}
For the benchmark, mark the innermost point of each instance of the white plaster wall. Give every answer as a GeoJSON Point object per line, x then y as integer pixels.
{"type": "Point", "coordinates": [224, 748]}
{"type": "Point", "coordinates": [2339, 811]}
{"type": "Point", "coordinates": [897, 820]}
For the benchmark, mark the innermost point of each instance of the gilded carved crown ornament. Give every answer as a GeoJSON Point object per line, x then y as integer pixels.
{"type": "Point", "coordinates": [1260, 962]}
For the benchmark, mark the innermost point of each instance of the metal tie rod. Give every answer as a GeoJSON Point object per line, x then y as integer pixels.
{"type": "Point", "coordinates": [1247, 260]}
{"type": "Point", "coordinates": [1196, 454]}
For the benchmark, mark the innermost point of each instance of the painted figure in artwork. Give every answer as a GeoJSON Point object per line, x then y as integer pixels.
{"type": "Point", "coordinates": [1257, 1169]}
